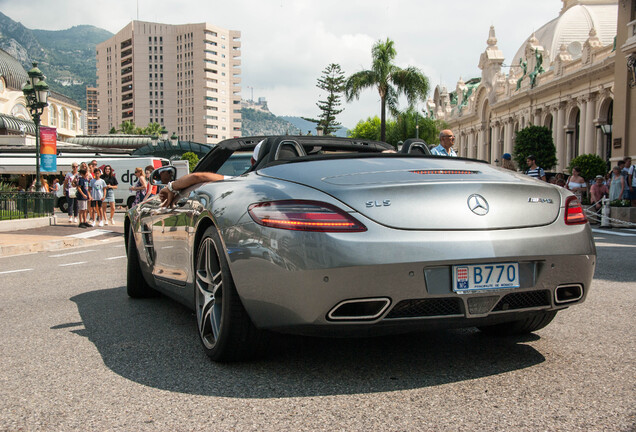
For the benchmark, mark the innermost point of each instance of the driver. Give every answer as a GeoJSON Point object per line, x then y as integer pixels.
{"type": "Point", "coordinates": [168, 194]}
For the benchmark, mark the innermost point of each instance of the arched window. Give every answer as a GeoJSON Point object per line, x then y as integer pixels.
{"type": "Point", "coordinates": [53, 115]}
{"type": "Point", "coordinates": [73, 121]}
{"type": "Point", "coordinates": [63, 119]}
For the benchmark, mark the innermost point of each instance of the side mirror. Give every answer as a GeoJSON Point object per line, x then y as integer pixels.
{"type": "Point", "coordinates": [164, 175]}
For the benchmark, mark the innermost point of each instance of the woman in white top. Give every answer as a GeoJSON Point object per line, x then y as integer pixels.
{"type": "Point", "coordinates": [576, 183]}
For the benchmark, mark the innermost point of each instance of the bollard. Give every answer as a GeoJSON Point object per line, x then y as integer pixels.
{"type": "Point", "coordinates": [605, 213]}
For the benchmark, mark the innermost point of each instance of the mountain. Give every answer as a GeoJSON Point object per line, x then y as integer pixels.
{"type": "Point", "coordinates": [66, 57]}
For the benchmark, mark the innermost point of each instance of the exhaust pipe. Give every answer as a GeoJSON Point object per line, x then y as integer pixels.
{"type": "Point", "coordinates": [359, 309]}
{"type": "Point", "coordinates": [568, 293]}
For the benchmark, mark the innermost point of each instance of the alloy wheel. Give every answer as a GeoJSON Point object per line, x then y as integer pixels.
{"type": "Point", "coordinates": [209, 295]}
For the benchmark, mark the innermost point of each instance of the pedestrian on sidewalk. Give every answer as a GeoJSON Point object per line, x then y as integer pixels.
{"type": "Point", "coordinates": [82, 197]}
{"type": "Point", "coordinates": [70, 191]}
{"type": "Point", "coordinates": [140, 186]}
{"type": "Point", "coordinates": [97, 186]}
{"type": "Point", "coordinates": [109, 200]}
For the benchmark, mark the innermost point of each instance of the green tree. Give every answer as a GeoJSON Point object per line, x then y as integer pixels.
{"type": "Point", "coordinates": [128, 127]}
{"type": "Point", "coordinates": [591, 165]}
{"type": "Point", "coordinates": [152, 129]}
{"type": "Point", "coordinates": [406, 124]}
{"type": "Point", "coordinates": [366, 129]}
{"type": "Point", "coordinates": [537, 141]}
{"type": "Point", "coordinates": [390, 80]}
{"type": "Point", "coordinates": [192, 159]}
{"type": "Point", "coordinates": [332, 81]}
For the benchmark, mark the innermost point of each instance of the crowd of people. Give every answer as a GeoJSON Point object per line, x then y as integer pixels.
{"type": "Point", "coordinates": [90, 192]}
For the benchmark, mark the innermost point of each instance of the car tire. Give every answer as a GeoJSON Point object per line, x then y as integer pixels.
{"type": "Point", "coordinates": [225, 330]}
{"type": "Point", "coordinates": [62, 204]}
{"type": "Point", "coordinates": [532, 323]}
{"type": "Point", "coordinates": [136, 285]}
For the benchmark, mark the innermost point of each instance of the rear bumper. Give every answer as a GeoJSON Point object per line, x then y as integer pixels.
{"type": "Point", "coordinates": [294, 289]}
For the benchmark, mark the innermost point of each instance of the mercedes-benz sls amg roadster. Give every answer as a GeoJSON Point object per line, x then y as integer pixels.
{"type": "Point", "coordinates": [344, 237]}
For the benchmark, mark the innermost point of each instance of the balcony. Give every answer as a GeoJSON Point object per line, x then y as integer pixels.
{"type": "Point", "coordinates": [125, 44]}
{"type": "Point", "coordinates": [126, 70]}
{"type": "Point", "coordinates": [126, 88]}
{"type": "Point", "coordinates": [126, 53]}
{"type": "Point", "coordinates": [630, 43]}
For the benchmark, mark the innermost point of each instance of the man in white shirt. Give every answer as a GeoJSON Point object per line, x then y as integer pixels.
{"type": "Point", "coordinates": [445, 148]}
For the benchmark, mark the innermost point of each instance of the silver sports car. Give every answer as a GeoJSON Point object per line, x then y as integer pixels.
{"type": "Point", "coordinates": [343, 237]}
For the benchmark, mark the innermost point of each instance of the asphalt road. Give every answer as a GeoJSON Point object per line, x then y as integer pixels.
{"type": "Point", "coordinates": [77, 354]}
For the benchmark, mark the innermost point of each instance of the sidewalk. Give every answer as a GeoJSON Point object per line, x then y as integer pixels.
{"type": "Point", "coordinates": [24, 236]}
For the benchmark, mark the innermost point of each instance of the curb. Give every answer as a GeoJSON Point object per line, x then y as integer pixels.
{"type": "Point", "coordinates": [51, 245]}
{"type": "Point", "coordinates": [22, 224]}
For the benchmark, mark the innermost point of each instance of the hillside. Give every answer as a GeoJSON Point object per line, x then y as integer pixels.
{"type": "Point", "coordinates": [306, 126]}
{"type": "Point", "coordinates": [66, 57]}
{"type": "Point", "coordinates": [265, 123]}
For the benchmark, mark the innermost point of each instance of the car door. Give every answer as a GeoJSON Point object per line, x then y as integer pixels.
{"type": "Point", "coordinates": [171, 231]}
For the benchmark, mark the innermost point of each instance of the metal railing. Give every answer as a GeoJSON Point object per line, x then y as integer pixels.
{"type": "Point", "coordinates": [24, 205]}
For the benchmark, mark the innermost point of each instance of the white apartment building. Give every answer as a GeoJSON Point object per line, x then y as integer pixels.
{"type": "Point", "coordinates": [184, 77]}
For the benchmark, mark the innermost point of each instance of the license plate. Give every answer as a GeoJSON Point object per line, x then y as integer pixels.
{"type": "Point", "coordinates": [485, 276]}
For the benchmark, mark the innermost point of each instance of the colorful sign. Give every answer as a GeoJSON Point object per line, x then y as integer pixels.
{"type": "Point", "coordinates": [48, 149]}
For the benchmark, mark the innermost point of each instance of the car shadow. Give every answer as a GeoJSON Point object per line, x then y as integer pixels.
{"type": "Point", "coordinates": [154, 342]}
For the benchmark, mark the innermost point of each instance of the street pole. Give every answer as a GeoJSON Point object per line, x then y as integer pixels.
{"type": "Point", "coordinates": [36, 93]}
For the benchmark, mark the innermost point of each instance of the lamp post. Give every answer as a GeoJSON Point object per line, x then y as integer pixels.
{"type": "Point", "coordinates": [36, 93]}
{"type": "Point", "coordinates": [174, 139]}
{"type": "Point", "coordinates": [607, 130]}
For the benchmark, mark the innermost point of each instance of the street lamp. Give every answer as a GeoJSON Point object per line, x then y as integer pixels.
{"type": "Point", "coordinates": [36, 93]}
{"type": "Point", "coordinates": [174, 139]}
{"type": "Point", "coordinates": [607, 130]}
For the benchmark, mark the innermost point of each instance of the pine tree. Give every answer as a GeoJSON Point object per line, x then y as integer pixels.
{"type": "Point", "coordinates": [332, 81]}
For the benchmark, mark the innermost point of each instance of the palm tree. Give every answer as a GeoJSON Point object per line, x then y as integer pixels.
{"type": "Point", "coordinates": [390, 81]}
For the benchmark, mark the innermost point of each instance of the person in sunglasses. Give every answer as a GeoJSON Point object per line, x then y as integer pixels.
{"type": "Point", "coordinates": [446, 142]}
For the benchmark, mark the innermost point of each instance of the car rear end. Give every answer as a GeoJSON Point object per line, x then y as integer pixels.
{"type": "Point", "coordinates": [397, 243]}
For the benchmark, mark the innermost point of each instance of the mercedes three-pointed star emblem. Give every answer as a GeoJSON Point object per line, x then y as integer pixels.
{"type": "Point", "coordinates": [478, 204]}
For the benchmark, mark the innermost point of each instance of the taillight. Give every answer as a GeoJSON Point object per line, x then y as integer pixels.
{"type": "Point", "coordinates": [574, 212]}
{"type": "Point", "coordinates": [304, 216]}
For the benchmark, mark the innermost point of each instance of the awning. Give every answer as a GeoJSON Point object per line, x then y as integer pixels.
{"type": "Point", "coordinates": [14, 125]}
{"type": "Point", "coordinates": [167, 150]}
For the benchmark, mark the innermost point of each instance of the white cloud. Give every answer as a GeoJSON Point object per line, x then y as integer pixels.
{"type": "Point", "coordinates": [287, 43]}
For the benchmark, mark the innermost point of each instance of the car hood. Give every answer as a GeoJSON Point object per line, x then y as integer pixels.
{"type": "Point", "coordinates": [429, 193]}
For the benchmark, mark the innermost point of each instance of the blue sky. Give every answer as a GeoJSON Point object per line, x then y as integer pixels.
{"type": "Point", "coordinates": [286, 44]}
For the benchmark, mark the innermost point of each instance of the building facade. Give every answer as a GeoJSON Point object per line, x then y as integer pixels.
{"type": "Point", "coordinates": [562, 77]}
{"type": "Point", "coordinates": [184, 77]}
{"type": "Point", "coordinates": [92, 111]}
{"type": "Point", "coordinates": [623, 134]}
{"type": "Point", "coordinates": [63, 113]}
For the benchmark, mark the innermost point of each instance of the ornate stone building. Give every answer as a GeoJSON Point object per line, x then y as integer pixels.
{"type": "Point", "coordinates": [62, 113]}
{"type": "Point", "coordinates": [562, 77]}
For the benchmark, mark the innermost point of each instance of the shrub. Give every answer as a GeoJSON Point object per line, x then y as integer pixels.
{"type": "Point", "coordinates": [537, 141]}
{"type": "Point", "coordinates": [591, 165]}
{"type": "Point", "coordinates": [192, 159]}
